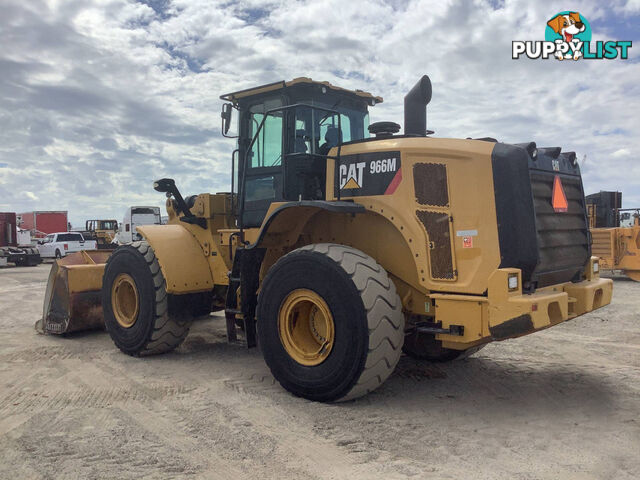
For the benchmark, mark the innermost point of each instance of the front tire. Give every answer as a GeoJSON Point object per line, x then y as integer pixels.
{"type": "Point", "coordinates": [330, 323]}
{"type": "Point", "coordinates": [141, 318]}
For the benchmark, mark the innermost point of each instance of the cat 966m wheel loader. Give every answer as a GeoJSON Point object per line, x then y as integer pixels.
{"type": "Point", "coordinates": [340, 250]}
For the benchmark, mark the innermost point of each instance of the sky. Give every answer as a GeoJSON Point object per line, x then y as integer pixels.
{"type": "Point", "coordinates": [98, 98]}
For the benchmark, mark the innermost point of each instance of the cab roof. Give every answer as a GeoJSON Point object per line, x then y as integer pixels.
{"type": "Point", "coordinates": [235, 96]}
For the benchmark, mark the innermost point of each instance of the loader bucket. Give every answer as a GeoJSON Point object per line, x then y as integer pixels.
{"type": "Point", "coordinates": [72, 301]}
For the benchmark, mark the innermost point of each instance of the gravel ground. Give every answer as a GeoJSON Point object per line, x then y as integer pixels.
{"type": "Point", "coordinates": [559, 404]}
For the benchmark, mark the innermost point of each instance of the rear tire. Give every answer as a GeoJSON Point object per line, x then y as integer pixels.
{"type": "Point", "coordinates": [426, 347]}
{"type": "Point", "coordinates": [159, 322]}
{"type": "Point", "coordinates": [633, 275]}
{"type": "Point", "coordinates": [58, 254]}
{"type": "Point", "coordinates": [363, 337]}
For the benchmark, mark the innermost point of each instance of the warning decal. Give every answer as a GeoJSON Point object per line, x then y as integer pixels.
{"type": "Point", "coordinates": [558, 197]}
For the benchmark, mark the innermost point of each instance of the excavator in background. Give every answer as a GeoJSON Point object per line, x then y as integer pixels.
{"type": "Point", "coordinates": [615, 233]}
{"type": "Point", "coordinates": [336, 250]}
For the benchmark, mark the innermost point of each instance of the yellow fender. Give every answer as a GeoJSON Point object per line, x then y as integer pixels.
{"type": "Point", "coordinates": [183, 262]}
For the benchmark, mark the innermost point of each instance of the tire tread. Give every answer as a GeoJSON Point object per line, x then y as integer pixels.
{"type": "Point", "coordinates": [169, 329]}
{"type": "Point", "coordinates": [384, 314]}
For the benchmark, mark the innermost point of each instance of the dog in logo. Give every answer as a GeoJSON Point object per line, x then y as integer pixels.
{"type": "Point", "coordinates": [567, 25]}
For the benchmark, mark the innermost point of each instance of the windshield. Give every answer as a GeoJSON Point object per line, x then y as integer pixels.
{"type": "Point", "coordinates": [109, 225]}
{"type": "Point", "coordinates": [318, 130]}
{"type": "Point", "coordinates": [145, 210]}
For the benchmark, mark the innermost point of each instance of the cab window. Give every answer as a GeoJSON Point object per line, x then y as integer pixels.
{"type": "Point", "coordinates": [266, 151]}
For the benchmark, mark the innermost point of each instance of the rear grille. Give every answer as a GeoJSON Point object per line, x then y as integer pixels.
{"type": "Point", "coordinates": [563, 237]}
{"type": "Point", "coordinates": [549, 247]}
{"type": "Point", "coordinates": [602, 243]}
{"type": "Point", "coordinates": [440, 258]}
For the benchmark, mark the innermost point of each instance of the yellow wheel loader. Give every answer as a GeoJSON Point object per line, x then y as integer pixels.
{"type": "Point", "coordinates": [102, 231]}
{"type": "Point", "coordinates": [337, 250]}
{"type": "Point", "coordinates": [615, 233]}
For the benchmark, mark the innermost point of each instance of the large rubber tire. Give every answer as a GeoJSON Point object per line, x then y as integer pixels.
{"type": "Point", "coordinates": [367, 315]}
{"type": "Point", "coordinates": [58, 254]}
{"type": "Point", "coordinates": [633, 275]}
{"type": "Point", "coordinates": [163, 320]}
{"type": "Point", "coordinates": [426, 347]}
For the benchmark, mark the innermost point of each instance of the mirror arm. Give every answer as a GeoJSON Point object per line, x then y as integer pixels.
{"type": "Point", "coordinates": [168, 186]}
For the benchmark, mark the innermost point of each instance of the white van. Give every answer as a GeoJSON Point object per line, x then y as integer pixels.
{"type": "Point", "coordinates": [133, 217]}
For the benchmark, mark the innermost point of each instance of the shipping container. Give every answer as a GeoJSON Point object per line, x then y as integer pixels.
{"type": "Point", "coordinates": [7, 229]}
{"type": "Point", "coordinates": [42, 223]}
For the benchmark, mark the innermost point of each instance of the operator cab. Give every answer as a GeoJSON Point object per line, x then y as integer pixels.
{"type": "Point", "coordinates": [286, 131]}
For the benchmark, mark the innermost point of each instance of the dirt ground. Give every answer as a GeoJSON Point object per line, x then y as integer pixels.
{"type": "Point", "coordinates": [560, 404]}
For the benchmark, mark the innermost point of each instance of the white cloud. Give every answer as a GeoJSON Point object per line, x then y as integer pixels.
{"type": "Point", "coordinates": [99, 98]}
{"type": "Point", "coordinates": [632, 6]}
{"type": "Point", "coordinates": [621, 153]}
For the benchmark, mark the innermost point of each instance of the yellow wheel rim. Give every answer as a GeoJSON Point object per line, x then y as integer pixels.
{"type": "Point", "coordinates": [124, 300]}
{"type": "Point", "coordinates": [306, 327]}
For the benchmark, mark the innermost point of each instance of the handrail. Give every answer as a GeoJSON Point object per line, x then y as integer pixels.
{"type": "Point", "coordinates": [233, 164]}
{"type": "Point", "coordinates": [242, 183]}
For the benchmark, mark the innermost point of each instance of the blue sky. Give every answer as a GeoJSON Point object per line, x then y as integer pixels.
{"type": "Point", "coordinates": [99, 98]}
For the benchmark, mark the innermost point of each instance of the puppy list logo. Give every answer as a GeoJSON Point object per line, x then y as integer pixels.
{"type": "Point", "coordinates": [568, 36]}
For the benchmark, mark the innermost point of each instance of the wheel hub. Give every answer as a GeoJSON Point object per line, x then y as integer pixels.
{"type": "Point", "coordinates": [124, 300]}
{"type": "Point", "coordinates": [306, 327]}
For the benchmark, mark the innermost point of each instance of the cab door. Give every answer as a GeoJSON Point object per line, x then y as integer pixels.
{"type": "Point", "coordinates": [263, 176]}
{"type": "Point", "coordinates": [46, 248]}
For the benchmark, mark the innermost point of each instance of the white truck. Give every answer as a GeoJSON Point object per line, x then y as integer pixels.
{"type": "Point", "coordinates": [58, 245]}
{"type": "Point", "coordinates": [134, 217]}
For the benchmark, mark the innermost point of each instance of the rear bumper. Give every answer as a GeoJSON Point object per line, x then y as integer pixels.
{"type": "Point", "coordinates": [523, 314]}
{"type": "Point", "coordinates": [503, 314]}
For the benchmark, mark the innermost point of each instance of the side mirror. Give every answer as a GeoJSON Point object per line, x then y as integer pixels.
{"type": "Point", "coordinates": [168, 186]}
{"type": "Point", "coordinates": [164, 185]}
{"type": "Point", "coordinates": [227, 109]}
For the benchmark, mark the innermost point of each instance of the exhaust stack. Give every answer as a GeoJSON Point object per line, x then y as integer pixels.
{"type": "Point", "coordinates": [415, 108]}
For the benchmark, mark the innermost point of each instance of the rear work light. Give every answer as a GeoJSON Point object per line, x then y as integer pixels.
{"type": "Point", "coordinates": [558, 198]}
{"type": "Point", "coordinates": [513, 282]}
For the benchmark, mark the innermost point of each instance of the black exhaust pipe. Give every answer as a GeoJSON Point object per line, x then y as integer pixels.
{"type": "Point", "coordinates": [415, 108]}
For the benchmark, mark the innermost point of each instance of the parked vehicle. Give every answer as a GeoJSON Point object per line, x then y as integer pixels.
{"type": "Point", "coordinates": [133, 218]}
{"type": "Point", "coordinates": [42, 223]}
{"type": "Point", "coordinates": [58, 245]}
{"type": "Point", "coordinates": [339, 251]}
{"type": "Point", "coordinates": [102, 231]}
{"type": "Point", "coordinates": [615, 233]}
{"type": "Point", "coordinates": [13, 248]}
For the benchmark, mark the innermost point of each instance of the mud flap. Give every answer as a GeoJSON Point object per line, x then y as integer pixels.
{"type": "Point", "coordinates": [72, 300]}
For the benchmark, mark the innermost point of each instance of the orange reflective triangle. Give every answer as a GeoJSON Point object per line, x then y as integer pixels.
{"type": "Point", "coordinates": [558, 198]}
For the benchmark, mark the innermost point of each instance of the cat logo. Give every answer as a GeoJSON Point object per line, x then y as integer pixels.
{"type": "Point", "coordinates": [364, 174]}
{"type": "Point", "coordinates": [351, 175]}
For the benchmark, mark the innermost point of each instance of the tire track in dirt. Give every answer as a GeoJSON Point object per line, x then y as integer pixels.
{"type": "Point", "coordinates": [37, 354]}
